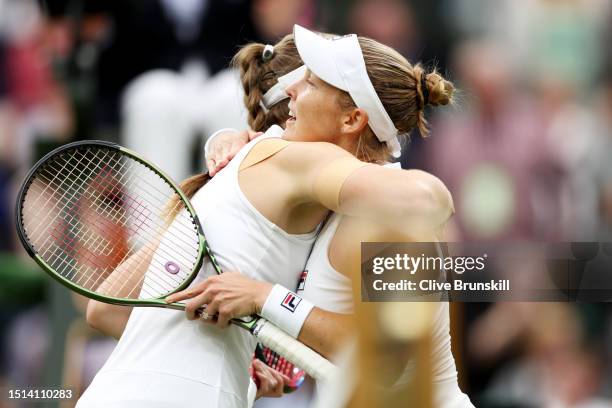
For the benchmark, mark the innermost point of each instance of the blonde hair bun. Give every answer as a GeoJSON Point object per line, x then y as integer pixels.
{"type": "Point", "coordinates": [440, 91]}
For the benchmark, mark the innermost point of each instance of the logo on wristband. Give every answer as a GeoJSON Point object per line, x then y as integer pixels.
{"type": "Point", "coordinates": [291, 302]}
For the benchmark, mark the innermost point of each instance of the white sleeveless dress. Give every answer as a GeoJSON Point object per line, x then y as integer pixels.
{"type": "Point", "coordinates": [165, 360]}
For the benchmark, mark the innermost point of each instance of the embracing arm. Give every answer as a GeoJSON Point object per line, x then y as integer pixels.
{"type": "Point", "coordinates": [233, 294]}
{"type": "Point", "coordinates": [326, 332]}
{"type": "Point", "coordinates": [108, 319]}
{"type": "Point", "coordinates": [111, 319]}
{"type": "Point", "coordinates": [329, 175]}
{"type": "Point", "coordinates": [410, 197]}
{"type": "Point", "coordinates": [222, 146]}
{"type": "Point", "coordinates": [324, 173]}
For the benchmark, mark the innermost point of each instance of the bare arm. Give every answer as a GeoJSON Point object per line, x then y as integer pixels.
{"type": "Point", "coordinates": [326, 332]}
{"type": "Point", "coordinates": [111, 319]}
{"type": "Point", "coordinates": [413, 198]}
{"type": "Point", "coordinates": [108, 319]}
{"type": "Point", "coordinates": [232, 294]}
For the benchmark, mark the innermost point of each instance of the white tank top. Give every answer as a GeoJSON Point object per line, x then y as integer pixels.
{"type": "Point", "coordinates": [163, 359]}
{"type": "Point", "coordinates": [331, 290]}
{"type": "Point", "coordinates": [320, 283]}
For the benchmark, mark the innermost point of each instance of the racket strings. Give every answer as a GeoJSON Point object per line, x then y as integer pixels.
{"type": "Point", "coordinates": [85, 272]}
{"type": "Point", "coordinates": [102, 211]}
{"type": "Point", "coordinates": [127, 182]}
{"type": "Point", "coordinates": [121, 198]}
{"type": "Point", "coordinates": [122, 223]}
{"type": "Point", "coordinates": [94, 220]}
{"type": "Point", "coordinates": [62, 257]}
{"type": "Point", "coordinates": [92, 195]}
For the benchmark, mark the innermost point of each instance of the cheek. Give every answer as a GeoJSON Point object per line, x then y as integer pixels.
{"type": "Point", "coordinates": [320, 118]}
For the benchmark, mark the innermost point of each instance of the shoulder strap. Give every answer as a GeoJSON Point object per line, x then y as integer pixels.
{"type": "Point", "coordinates": [262, 150]}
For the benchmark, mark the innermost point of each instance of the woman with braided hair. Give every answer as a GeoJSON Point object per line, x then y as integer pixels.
{"type": "Point", "coordinates": [262, 212]}
{"type": "Point", "coordinates": [325, 282]}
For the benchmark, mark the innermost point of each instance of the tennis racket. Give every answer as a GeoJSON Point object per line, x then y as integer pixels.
{"type": "Point", "coordinates": [113, 227]}
{"type": "Point", "coordinates": [282, 365]}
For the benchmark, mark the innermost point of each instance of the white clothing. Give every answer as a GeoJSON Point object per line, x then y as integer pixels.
{"type": "Point", "coordinates": [330, 290]}
{"type": "Point", "coordinates": [162, 358]}
{"type": "Point", "coordinates": [320, 283]}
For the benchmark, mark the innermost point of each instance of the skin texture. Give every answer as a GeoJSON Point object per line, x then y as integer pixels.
{"type": "Point", "coordinates": [319, 116]}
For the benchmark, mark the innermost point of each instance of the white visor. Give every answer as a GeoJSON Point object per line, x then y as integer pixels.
{"type": "Point", "coordinates": [277, 92]}
{"type": "Point", "coordinates": [340, 63]}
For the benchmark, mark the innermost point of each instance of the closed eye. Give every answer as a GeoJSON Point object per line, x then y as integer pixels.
{"type": "Point", "coordinates": [309, 79]}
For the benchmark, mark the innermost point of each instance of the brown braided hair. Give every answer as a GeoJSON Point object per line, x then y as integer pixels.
{"type": "Point", "coordinates": [258, 76]}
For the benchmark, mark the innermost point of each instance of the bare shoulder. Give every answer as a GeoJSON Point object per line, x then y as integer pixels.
{"type": "Point", "coordinates": [438, 190]}
{"type": "Point", "coordinates": [318, 149]}
{"type": "Point", "coordinates": [306, 156]}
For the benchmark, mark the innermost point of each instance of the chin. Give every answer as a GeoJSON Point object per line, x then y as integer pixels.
{"type": "Point", "coordinates": [289, 133]}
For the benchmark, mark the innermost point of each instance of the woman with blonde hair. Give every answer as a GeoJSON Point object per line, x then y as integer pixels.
{"type": "Point", "coordinates": [326, 281]}
{"type": "Point", "coordinates": [261, 214]}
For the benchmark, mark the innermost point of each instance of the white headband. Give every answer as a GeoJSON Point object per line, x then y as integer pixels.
{"type": "Point", "coordinates": [340, 63]}
{"type": "Point", "coordinates": [277, 92]}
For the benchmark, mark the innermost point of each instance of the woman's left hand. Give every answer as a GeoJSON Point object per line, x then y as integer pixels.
{"type": "Point", "coordinates": [225, 297]}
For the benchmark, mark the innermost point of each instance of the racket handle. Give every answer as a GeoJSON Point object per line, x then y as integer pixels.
{"type": "Point", "coordinates": [298, 353]}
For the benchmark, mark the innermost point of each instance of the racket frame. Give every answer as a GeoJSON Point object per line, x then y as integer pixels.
{"type": "Point", "coordinates": [153, 302]}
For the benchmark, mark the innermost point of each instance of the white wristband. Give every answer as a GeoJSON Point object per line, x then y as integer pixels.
{"type": "Point", "coordinates": [211, 137]}
{"type": "Point", "coordinates": [286, 310]}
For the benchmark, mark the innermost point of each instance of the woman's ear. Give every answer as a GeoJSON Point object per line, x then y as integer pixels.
{"type": "Point", "coordinates": [354, 121]}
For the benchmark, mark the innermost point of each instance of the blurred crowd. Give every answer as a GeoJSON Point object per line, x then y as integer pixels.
{"type": "Point", "coordinates": [526, 151]}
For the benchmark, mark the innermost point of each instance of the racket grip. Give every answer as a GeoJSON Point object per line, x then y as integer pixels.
{"type": "Point", "coordinates": [298, 353]}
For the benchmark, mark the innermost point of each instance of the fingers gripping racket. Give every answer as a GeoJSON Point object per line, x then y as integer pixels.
{"type": "Point", "coordinates": [97, 218]}
{"type": "Point", "coordinates": [272, 359]}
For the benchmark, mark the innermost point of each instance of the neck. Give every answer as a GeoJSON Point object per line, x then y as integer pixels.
{"type": "Point", "coordinates": [348, 144]}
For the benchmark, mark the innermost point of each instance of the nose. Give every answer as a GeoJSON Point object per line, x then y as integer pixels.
{"type": "Point", "coordinates": [291, 90]}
